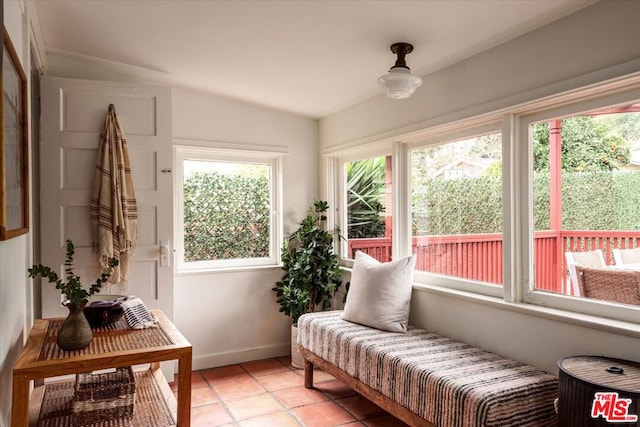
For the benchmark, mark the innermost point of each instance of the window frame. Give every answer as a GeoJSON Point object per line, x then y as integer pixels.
{"type": "Point", "coordinates": [341, 196]}
{"type": "Point", "coordinates": [517, 189]}
{"type": "Point", "coordinates": [272, 159]}
{"type": "Point", "coordinates": [522, 160]}
{"type": "Point", "coordinates": [491, 125]}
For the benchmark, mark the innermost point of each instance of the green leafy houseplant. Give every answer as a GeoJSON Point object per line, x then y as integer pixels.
{"type": "Point", "coordinates": [72, 288]}
{"type": "Point", "coordinates": [312, 272]}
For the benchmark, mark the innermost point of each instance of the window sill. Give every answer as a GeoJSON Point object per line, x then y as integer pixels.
{"type": "Point", "coordinates": [225, 270]}
{"type": "Point", "coordinates": [578, 319]}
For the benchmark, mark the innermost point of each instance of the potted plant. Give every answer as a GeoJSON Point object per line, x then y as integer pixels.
{"type": "Point", "coordinates": [75, 332]}
{"type": "Point", "coordinates": [312, 272]}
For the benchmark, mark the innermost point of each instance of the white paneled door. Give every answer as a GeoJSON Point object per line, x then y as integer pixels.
{"type": "Point", "coordinates": [73, 116]}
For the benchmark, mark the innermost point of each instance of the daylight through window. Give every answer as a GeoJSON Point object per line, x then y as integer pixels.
{"type": "Point", "coordinates": [368, 198]}
{"type": "Point", "coordinates": [586, 210]}
{"type": "Point", "coordinates": [227, 211]}
{"type": "Point", "coordinates": [456, 200]}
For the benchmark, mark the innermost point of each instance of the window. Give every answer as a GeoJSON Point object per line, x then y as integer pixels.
{"type": "Point", "coordinates": [368, 207]}
{"type": "Point", "coordinates": [228, 209]}
{"type": "Point", "coordinates": [456, 208]}
{"type": "Point", "coordinates": [586, 203]}
{"type": "Point", "coordinates": [497, 205]}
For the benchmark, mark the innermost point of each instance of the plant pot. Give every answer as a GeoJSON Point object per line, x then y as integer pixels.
{"type": "Point", "coordinates": [297, 361]}
{"type": "Point", "coordinates": [75, 332]}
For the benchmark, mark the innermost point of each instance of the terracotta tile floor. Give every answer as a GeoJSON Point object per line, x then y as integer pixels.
{"type": "Point", "coordinates": [271, 392]}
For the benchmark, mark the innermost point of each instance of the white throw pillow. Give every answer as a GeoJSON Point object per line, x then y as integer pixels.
{"type": "Point", "coordinates": [380, 293]}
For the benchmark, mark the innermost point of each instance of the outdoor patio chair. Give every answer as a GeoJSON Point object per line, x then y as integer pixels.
{"type": "Point", "coordinates": [585, 259]}
{"type": "Point", "coordinates": [626, 256]}
{"type": "Point", "coordinates": [610, 284]}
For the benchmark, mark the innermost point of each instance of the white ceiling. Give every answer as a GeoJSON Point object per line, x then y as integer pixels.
{"type": "Point", "coordinates": [308, 57]}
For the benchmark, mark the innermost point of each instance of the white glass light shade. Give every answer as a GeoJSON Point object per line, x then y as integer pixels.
{"type": "Point", "coordinates": [399, 83]}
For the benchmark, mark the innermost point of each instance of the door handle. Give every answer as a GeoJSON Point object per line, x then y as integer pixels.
{"type": "Point", "coordinates": [165, 254]}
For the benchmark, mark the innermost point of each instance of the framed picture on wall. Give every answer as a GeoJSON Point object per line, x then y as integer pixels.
{"type": "Point", "coordinates": [14, 149]}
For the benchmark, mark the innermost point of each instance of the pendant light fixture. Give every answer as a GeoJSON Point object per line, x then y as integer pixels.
{"type": "Point", "coordinates": [399, 83]}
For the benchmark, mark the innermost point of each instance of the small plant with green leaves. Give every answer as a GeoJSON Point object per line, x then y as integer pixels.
{"type": "Point", "coordinates": [312, 272]}
{"type": "Point", "coordinates": [72, 288]}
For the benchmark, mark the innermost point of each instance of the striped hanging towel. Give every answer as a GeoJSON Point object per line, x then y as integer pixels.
{"type": "Point", "coordinates": [114, 211]}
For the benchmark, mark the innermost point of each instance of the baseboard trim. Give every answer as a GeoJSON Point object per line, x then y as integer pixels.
{"type": "Point", "coordinates": [229, 358]}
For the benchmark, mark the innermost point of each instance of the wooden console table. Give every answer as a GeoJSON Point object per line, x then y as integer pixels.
{"type": "Point", "coordinates": [112, 346]}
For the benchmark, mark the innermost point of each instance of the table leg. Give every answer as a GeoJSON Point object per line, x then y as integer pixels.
{"type": "Point", "coordinates": [184, 390]}
{"type": "Point", "coordinates": [20, 401]}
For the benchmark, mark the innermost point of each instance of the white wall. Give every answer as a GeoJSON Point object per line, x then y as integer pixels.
{"type": "Point", "coordinates": [227, 316]}
{"type": "Point", "coordinates": [15, 258]}
{"type": "Point", "coordinates": [529, 67]}
{"type": "Point", "coordinates": [232, 316]}
{"type": "Point", "coordinates": [13, 309]}
{"type": "Point", "coordinates": [566, 54]}
{"type": "Point", "coordinates": [539, 339]}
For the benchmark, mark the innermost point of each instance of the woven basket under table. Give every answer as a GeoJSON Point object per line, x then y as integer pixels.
{"type": "Point", "coordinates": [103, 396]}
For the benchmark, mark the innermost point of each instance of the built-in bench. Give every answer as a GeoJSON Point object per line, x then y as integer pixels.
{"type": "Point", "coordinates": [425, 379]}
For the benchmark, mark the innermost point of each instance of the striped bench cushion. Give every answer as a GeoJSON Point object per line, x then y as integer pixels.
{"type": "Point", "coordinates": [444, 381]}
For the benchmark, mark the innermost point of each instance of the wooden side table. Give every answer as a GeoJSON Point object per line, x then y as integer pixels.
{"type": "Point", "coordinates": [613, 384]}
{"type": "Point", "coordinates": [113, 346]}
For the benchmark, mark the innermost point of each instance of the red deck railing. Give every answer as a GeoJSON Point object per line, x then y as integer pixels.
{"type": "Point", "coordinates": [479, 256]}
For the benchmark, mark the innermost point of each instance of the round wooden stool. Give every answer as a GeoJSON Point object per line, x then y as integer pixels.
{"type": "Point", "coordinates": [598, 391]}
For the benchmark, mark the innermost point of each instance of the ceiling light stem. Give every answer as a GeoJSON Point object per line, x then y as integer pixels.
{"type": "Point", "coordinates": [401, 49]}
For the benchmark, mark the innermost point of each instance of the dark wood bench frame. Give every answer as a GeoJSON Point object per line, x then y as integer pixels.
{"type": "Point", "coordinates": [394, 408]}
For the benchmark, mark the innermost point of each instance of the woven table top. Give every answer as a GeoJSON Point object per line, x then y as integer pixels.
{"type": "Point", "coordinates": [116, 336]}
{"type": "Point", "coordinates": [597, 370]}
